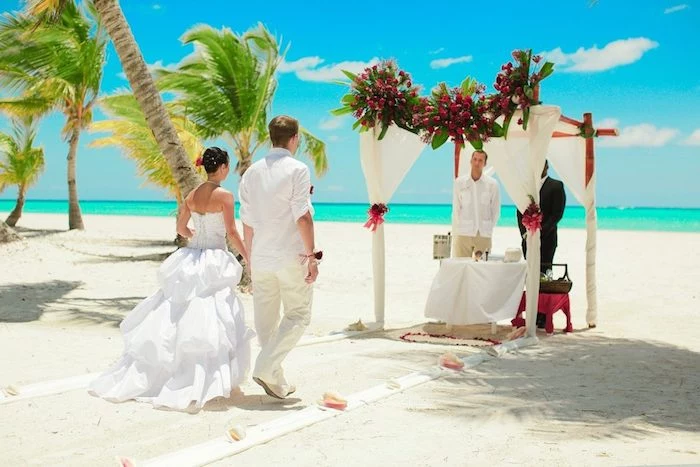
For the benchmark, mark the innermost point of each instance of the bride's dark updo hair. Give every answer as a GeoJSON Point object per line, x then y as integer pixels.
{"type": "Point", "coordinates": [213, 158]}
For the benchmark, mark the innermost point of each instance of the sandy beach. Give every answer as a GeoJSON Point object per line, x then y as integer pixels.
{"type": "Point", "coordinates": [625, 393]}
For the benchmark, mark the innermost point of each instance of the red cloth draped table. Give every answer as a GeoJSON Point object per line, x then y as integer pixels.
{"type": "Point", "coordinates": [547, 303]}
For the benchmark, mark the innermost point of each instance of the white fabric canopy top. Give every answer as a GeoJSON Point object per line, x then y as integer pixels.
{"type": "Point", "coordinates": [519, 160]}
{"type": "Point", "coordinates": [385, 163]}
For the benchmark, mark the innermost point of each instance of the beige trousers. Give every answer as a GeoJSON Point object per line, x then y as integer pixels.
{"type": "Point", "coordinates": [278, 334]}
{"type": "Point", "coordinates": [465, 246]}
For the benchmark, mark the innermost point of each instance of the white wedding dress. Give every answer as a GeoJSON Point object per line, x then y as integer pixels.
{"type": "Point", "coordinates": [188, 342]}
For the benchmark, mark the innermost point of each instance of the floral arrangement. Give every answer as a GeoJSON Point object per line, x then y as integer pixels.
{"type": "Point", "coordinates": [380, 96]}
{"type": "Point", "coordinates": [532, 217]}
{"type": "Point", "coordinates": [460, 114]}
{"type": "Point", "coordinates": [376, 216]}
{"type": "Point", "coordinates": [518, 87]}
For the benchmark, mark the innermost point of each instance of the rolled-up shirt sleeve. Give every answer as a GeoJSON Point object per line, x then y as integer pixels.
{"type": "Point", "coordinates": [246, 212]}
{"type": "Point", "coordinates": [301, 193]}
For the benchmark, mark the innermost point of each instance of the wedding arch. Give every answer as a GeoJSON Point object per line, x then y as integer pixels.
{"type": "Point", "coordinates": [396, 124]}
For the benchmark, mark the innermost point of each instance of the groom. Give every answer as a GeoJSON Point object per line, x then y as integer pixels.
{"type": "Point", "coordinates": [278, 231]}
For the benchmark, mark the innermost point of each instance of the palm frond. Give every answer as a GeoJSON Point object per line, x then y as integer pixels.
{"type": "Point", "coordinates": [315, 150]}
{"type": "Point", "coordinates": [21, 163]}
{"type": "Point", "coordinates": [227, 85]}
{"type": "Point", "coordinates": [127, 130]}
{"type": "Point", "coordinates": [59, 63]}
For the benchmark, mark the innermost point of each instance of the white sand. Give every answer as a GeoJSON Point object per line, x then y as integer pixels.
{"type": "Point", "coordinates": [626, 393]}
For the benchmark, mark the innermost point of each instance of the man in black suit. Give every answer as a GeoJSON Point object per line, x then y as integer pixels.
{"type": "Point", "coordinates": [552, 203]}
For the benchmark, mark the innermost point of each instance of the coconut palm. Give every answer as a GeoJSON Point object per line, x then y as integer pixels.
{"type": "Point", "coordinates": [227, 86]}
{"type": "Point", "coordinates": [140, 79]}
{"type": "Point", "coordinates": [55, 67]}
{"type": "Point", "coordinates": [129, 131]}
{"type": "Point", "coordinates": [20, 163]}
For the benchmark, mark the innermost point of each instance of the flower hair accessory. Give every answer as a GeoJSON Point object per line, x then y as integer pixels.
{"type": "Point", "coordinates": [199, 162]}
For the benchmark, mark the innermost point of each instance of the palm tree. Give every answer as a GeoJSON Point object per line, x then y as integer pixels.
{"type": "Point", "coordinates": [130, 132]}
{"type": "Point", "coordinates": [20, 163]}
{"type": "Point", "coordinates": [56, 67]}
{"type": "Point", "coordinates": [113, 20]}
{"type": "Point", "coordinates": [227, 86]}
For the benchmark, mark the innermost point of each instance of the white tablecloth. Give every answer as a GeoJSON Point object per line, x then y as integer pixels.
{"type": "Point", "coordinates": [468, 292]}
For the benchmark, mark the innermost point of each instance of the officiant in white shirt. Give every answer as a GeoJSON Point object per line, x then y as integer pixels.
{"type": "Point", "coordinates": [476, 207]}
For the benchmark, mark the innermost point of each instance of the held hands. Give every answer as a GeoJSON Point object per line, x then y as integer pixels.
{"type": "Point", "coordinates": [186, 232]}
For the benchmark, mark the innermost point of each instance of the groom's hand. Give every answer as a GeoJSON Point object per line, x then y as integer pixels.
{"type": "Point", "coordinates": [313, 271]}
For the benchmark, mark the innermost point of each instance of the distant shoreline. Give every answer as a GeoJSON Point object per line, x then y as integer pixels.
{"type": "Point", "coordinates": [609, 218]}
{"type": "Point", "coordinates": [318, 203]}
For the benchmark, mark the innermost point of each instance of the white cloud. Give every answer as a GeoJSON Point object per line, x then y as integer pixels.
{"type": "Point", "coordinates": [676, 8]}
{"type": "Point", "coordinates": [333, 138]}
{"type": "Point", "coordinates": [642, 135]}
{"type": "Point", "coordinates": [608, 123]}
{"type": "Point", "coordinates": [301, 64]}
{"type": "Point", "coordinates": [437, 51]}
{"type": "Point", "coordinates": [156, 6]}
{"type": "Point", "coordinates": [613, 54]}
{"type": "Point", "coordinates": [693, 139]}
{"type": "Point", "coordinates": [308, 69]}
{"type": "Point", "coordinates": [331, 123]}
{"type": "Point", "coordinates": [445, 62]}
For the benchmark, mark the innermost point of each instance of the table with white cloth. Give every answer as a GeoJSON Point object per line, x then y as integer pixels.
{"type": "Point", "coordinates": [465, 291]}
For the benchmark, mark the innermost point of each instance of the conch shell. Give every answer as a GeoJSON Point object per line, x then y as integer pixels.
{"type": "Point", "coordinates": [451, 361]}
{"type": "Point", "coordinates": [334, 400]}
{"type": "Point", "coordinates": [359, 326]}
{"type": "Point", "coordinates": [235, 433]}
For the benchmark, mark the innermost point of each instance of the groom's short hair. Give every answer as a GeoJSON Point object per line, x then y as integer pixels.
{"type": "Point", "coordinates": [282, 128]}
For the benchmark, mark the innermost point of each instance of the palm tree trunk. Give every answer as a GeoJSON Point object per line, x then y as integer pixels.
{"type": "Point", "coordinates": [7, 234]}
{"type": "Point", "coordinates": [147, 95]}
{"type": "Point", "coordinates": [75, 218]}
{"type": "Point", "coordinates": [17, 211]}
{"type": "Point", "coordinates": [245, 160]}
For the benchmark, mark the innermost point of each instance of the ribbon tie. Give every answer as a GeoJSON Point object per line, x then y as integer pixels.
{"type": "Point", "coordinates": [376, 216]}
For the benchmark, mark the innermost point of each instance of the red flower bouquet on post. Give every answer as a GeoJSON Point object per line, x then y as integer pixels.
{"type": "Point", "coordinates": [381, 95]}
{"type": "Point", "coordinates": [518, 88]}
{"type": "Point", "coordinates": [376, 216]}
{"type": "Point", "coordinates": [460, 114]}
{"type": "Point", "coordinates": [532, 217]}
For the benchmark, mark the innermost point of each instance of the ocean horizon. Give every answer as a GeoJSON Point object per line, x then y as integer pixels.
{"type": "Point", "coordinates": [609, 218]}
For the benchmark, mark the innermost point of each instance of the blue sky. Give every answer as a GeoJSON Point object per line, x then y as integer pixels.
{"type": "Point", "coordinates": [630, 67]}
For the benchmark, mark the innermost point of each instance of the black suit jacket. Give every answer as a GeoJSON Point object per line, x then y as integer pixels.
{"type": "Point", "coordinates": [552, 203]}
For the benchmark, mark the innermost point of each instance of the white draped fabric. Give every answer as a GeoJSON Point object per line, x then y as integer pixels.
{"type": "Point", "coordinates": [568, 157]}
{"type": "Point", "coordinates": [385, 163]}
{"type": "Point", "coordinates": [469, 292]}
{"type": "Point", "coordinates": [518, 160]}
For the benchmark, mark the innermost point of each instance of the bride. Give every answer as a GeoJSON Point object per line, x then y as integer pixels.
{"type": "Point", "coordinates": [188, 342]}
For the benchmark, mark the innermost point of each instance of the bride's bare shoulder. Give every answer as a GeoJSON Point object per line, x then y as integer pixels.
{"type": "Point", "coordinates": [222, 194]}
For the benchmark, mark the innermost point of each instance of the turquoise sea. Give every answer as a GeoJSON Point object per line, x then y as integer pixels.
{"type": "Point", "coordinates": [612, 218]}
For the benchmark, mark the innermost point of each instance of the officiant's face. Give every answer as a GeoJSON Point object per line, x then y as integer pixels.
{"type": "Point", "coordinates": [478, 161]}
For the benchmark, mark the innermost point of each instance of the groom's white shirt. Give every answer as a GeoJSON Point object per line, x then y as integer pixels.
{"type": "Point", "coordinates": [274, 193]}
